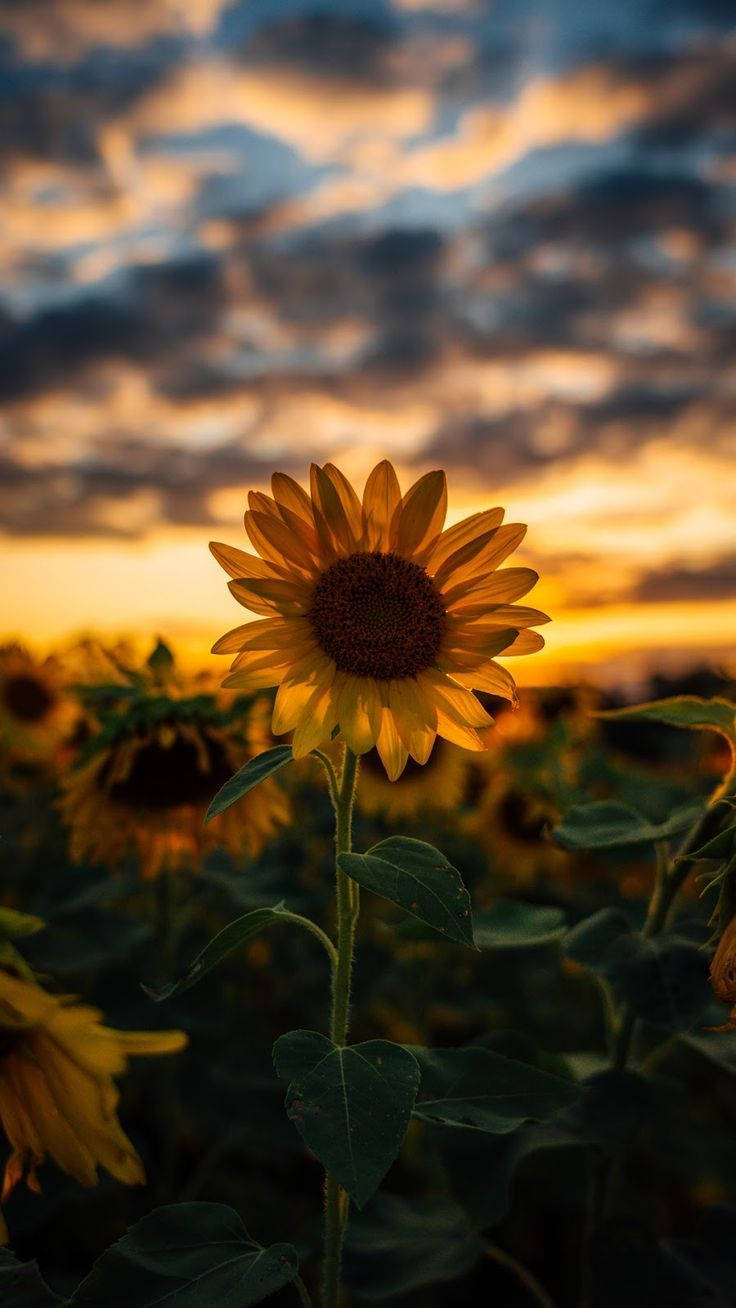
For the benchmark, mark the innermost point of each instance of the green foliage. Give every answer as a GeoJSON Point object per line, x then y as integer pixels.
{"type": "Point", "coordinates": [397, 1246]}
{"type": "Point", "coordinates": [606, 824]}
{"type": "Point", "coordinates": [664, 979]}
{"type": "Point", "coordinates": [418, 878]}
{"type": "Point", "coordinates": [350, 1105]}
{"type": "Point", "coordinates": [481, 1089]}
{"type": "Point", "coordinates": [682, 711]}
{"type": "Point", "coordinates": [21, 1284]}
{"type": "Point", "coordinates": [15, 925]}
{"type": "Point", "coordinates": [250, 775]}
{"type": "Point", "coordinates": [224, 943]}
{"type": "Point", "coordinates": [512, 924]}
{"type": "Point", "coordinates": [191, 1255]}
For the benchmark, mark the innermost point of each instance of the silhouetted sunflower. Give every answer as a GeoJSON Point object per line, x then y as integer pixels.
{"type": "Point", "coordinates": [376, 620]}
{"type": "Point", "coordinates": [57, 1093]}
{"type": "Point", "coordinates": [145, 779]}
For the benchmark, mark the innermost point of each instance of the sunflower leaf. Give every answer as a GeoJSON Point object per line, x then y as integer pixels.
{"type": "Point", "coordinates": [193, 1255]}
{"type": "Point", "coordinates": [681, 711]}
{"type": "Point", "coordinates": [607, 824]}
{"type": "Point", "coordinates": [480, 1089]}
{"type": "Point", "coordinates": [250, 775]}
{"type": "Point", "coordinates": [513, 924]}
{"type": "Point", "coordinates": [418, 878]}
{"type": "Point", "coordinates": [350, 1105]}
{"type": "Point", "coordinates": [21, 1284]}
{"type": "Point", "coordinates": [224, 943]}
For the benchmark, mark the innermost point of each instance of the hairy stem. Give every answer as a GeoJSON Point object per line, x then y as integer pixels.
{"type": "Point", "coordinates": [347, 896]}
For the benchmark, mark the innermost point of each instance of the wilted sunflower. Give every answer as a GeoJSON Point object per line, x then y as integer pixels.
{"type": "Point", "coordinates": [375, 619]}
{"type": "Point", "coordinates": [146, 778]}
{"type": "Point", "coordinates": [57, 1094]}
{"type": "Point", "coordinates": [36, 713]}
{"type": "Point", "coordinates": [438, 786]}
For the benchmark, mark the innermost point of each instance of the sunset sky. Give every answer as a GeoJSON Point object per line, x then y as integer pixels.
{"type": "Point", "coordinates": [495, 237]}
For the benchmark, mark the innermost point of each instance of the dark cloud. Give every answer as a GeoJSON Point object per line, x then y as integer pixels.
{"type": "Point", "coordinates": [716, 581]}
{"type": "Point", "coordinates": [149, 312]}
{"type": "Point", "coordinates": [339, 46]}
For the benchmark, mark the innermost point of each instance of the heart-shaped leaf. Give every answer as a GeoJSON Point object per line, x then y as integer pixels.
{"type": "Point", "coordinates": [192, 1255]}
{"type": "Point", "coordinates": [250, 775]}
{"type": "Point", "coordinates": [512, 924]}
{"type": "Point", "coordinates": [606, 824]}
{"type": "Point", "coordinates": [477, 1087]}
{"type": "Point", "coordinates": [418, 878]}
{"type": "Point", "coordinates": [351, 1105]}
{"type": "Point", "coordinates": [22, 1286]}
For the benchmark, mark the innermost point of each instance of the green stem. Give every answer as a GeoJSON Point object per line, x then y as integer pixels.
{"type": "Point", "coordinates": [336, 1200]}
{"type": "Point", "coordinates": [316, 931]}
{"type": "Point", "coordinates": [671, 876]}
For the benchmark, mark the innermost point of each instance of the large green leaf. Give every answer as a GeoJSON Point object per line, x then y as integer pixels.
{"type": "Point", "coordinates": [192, 1255]}
{"type": "Point", "coordinates": [607, 824]}
{"type": "Point", "coordinates": [250, 775]}
{"type": "Point", "coordinates": [21, 1284]}
{"type": "Point", "coordinates": [663, 979]}
{"type": "Point", "coordinates": [399, 1245]}
{"type": "Point", "coordinates": [588, 942]}
{"type": "Point", "coordinates": [682, 711]}
{"type": "Point", "coordinates": [350, 1105]}
{"type": "Point", "coordinates": [479, 1088]}
{"type": "Point", "coordinates": [418, 878]}
{"type": "Point", "coordinates": [512, 924]}
{"type": "Point", "coordinates": [224, 943]}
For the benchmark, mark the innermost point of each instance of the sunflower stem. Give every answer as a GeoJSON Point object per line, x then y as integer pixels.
{"type": "Point", "coordinates": [336, 1200]}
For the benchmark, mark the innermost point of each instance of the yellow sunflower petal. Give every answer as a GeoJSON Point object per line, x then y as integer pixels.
{"type": "Point", "coordinates": [527, 642]}
{"type": "Point", "coordinates": [282, 541]}
{"type": "Point", "coordinates": [296, 690]}
{"type": "Point", "coordinates": [502, 543]}
{"type": "Point", "coordinates": [289, 598]}
{"type": "Point", "coordinates": [290, 495]}
{"type": "Point", "coordinates": [422, 515]}
{"type": "Point", "coordinates": [452, 699]}
{"type": "Point", "coordinates": [492, 678]}
{"type": "Point", "coordinates": [466, 737]}
{"type": "Point", "coordinates": [381, 501]}
{"type": "Point", "coordinates": [498, 588]}
{"type": "Point", "coordinates": [317, 724]}
{"type": "Point", "coordinates": [415, 718]}
{"type": "Point", "coordinates": [239, 564]}
{"type": "Point", "coordinates": [261, 679]}
{"type": "Point", "coordinates": [331, 518]}
{"type": "Point", "coordinates": [359, 708]}
{"type": "Point", "coordinates": [348, 498]}
{"type": "Point", "coordinates": [393, 753]}
{"type": "Point", "coordinates": [455, 537]}
{"type": "Point", "coordinates": [504, 615]}
{"type": "Point", "coordinates": [469, 652]}
{"type": "Point", "coordinates": [463, 562]}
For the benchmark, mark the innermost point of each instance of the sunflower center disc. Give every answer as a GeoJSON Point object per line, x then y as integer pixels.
{"type": "Point", "coordinates": [27, 698]}
{"type": "Point", "coordinates": [165, 778]}
{"type": "Point", "coordinates": [378, 615]}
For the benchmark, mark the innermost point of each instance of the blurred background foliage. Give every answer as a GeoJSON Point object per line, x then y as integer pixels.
{"type": "Point", "coordinates": [210, 1124]}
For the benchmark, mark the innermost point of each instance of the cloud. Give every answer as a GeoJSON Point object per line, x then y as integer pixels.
{"type": "Point", "coordinates": [715, 581]}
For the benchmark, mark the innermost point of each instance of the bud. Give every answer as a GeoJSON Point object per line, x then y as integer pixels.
{"type": "Point", "coordinates": [723, 973]}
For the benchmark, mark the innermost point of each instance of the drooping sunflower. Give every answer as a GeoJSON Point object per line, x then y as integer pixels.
{"type": "Point", "coordinates": [146, 777]}
{"type": "Point", "coordinates": [375, 619]}
{"type": "Point", "coordinates": [438, 786]}
{"type": "Point", "coordinates": [57, 1093]}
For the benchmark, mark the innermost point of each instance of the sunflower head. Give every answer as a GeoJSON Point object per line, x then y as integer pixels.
{"type": "Point", "coordinates": [375, 620]}
{"type": "Point", "coordinates": [161, 749]}
{"type": "Point", "coordinates": [58, 1097]}
{"type": "Point", "coordinates": [36, 712]}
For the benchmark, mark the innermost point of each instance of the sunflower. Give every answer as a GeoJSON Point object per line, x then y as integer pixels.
{"type": "Point", "coordinates": [439, 786]}
{"type": "Point", "coordinates": [36, 713]}
{"type": "Point", "coordinates": [375, 620]}
{"type": "Point", "coordinates": [145, 779]}
{"type": "Point", "coordinates": [57, 1093]}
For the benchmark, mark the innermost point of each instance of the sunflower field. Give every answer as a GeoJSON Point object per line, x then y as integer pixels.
{"type": "Point", "coordinates": [354, 974]}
